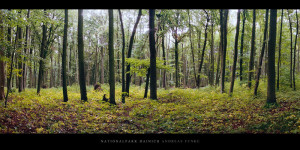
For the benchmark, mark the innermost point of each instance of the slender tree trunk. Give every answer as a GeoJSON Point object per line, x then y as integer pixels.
{"type": "Point", "coordinates": [279, 51]}
{"type": "Point", "coordinates": [123, 57]}
{"type": "Point", "coordinates": [81, 56]}
{"type": "Point", "coordinates": [291, 54]}
{"type": "Point", "coordinates": [294, 65]}
{"type": "Point", "coordinates": [20, 64]}
{"type": "Point", "coordinates": [218, 64]}
{"type": "Point", "coordinates": [235, 52]}
{"type": "Point", "coordinates": [153, 88]}
{"type": "Point", "coordinates": [224, 47]}
{"type": "Point", "coordinates": [212, 59]}
{"type": "Point", "coordinates": [64, 58]}
{"type": "Point", "coordinates": [42, 55]}
{"type": "Point", "coordinates": [128, 76]}
{"type": "Point", "coordinates": [258, 73]}
{"type": "Point", "coordinates": [271, 95]}
{"type": "Point", "coordinates": [111, 57]}
{"type": "Point", "coordinates": [192, 48]}
{"type": "Point", "coordinates": [2, 64]}
{"type": "Point", "coordinates": [147, 83]}
{"type": "Point", "coordinates": [251, 62]}
{"type": "Point", "coordinates": [242, 45]}
{"type": "Point", "coordinates": [203, 50]}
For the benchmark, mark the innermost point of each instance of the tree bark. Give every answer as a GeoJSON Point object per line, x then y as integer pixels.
{"type": "Point", "coordinates": [294, 64]}
{"type": "Point", "coordinates": [212, 59]}
{"type": "Point", "coordinates": [123, 57]}
{"type": "Point", "coordinates": [2, 64]}
{"type": "Point", "coordinates": [258, 72]}
{"type": "Point", "coordinates": [271, 95]}
{"type": "Point", "coordinates": [279, 51]}
{"type": "Point", "coordinates": [153, 88]}
{"type": "Point", "coordinates": [235, 52]}
{"type": "Point", "coordinates": [291, 54]}
{"type": "Point", "coordinates": [203, 50]}
{"type": "Point", "coordinates": [111, 57]}
{"type": "Point", "coordinates": [42, 55]}
{"type": "Point", "coordinates": [224, 17]}
{"type": "Point", "coordinates": [81, 56]}
{"type": "Point", "coordinates": [251, 62]}
{"type": "Point", "coordinates": [242, 45]}
{"type": "Point", "coordinates": [64, 58]}
{"type": "Point", "coordinates": [128, 76]}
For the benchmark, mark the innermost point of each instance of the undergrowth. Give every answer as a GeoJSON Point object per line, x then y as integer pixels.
{"type": "Point", "coordinates": [203, 110]}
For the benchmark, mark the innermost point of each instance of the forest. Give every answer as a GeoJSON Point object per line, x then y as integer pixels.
{"type": "Point", "coordinates": [142, 71]}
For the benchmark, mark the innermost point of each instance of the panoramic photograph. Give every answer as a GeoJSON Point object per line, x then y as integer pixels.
{"type": "Point", "coordinates": [149, 71]}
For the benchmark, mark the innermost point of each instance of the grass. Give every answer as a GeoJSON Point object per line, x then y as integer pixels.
{"type": "Point", "coordinates": [177, 110]}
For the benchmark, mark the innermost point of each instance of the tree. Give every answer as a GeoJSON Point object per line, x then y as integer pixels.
{"type": "Point", "coordinates": [43, 56]}
{"type": "Point", "coordinates": [235, 53]}
{"type": "Point", "coordinates": [242, 45]}
{"type": "Point", "coordinates": [203, 49]}
{"type": "Point", "coordinates": [223, 29]}
{"type": "Point", "coordinates": [294, 64]}
{"type": "Point", "coordinates": [192, 48]}
{"type": "Point", "coordinates": [128, 76]}
{"type": "Point", "coordinates": [20, 64]}
{"type": "Point", "coordinates": [251, 62]}
{"type": "Point", "coordinates": [258, 72]}
{"type": "Point", "coordinates": [81, 56]}
{"type": "Point", "coordinates": [2, 65]}
{"type": "Point", "coordinates": [291, 53]}
{"type": "Point", "coordinates": [271, 96]}
{"type": "Point", "coordinates": [153, 90]}
{"type": "Point", "coordinates": [123, 57]}
{"type": "Point", "coordinates": [279, 51]}
{"type": "Point", "coordinates": [64, 57]}
{"type": "Point", "coordinates": [111, 57]}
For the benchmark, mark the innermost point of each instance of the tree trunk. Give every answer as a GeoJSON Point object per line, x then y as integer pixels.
{"type": "Point", "coordinates": [123, 57]}
{"type": "Point", "coordinates": [251, 62]}
{"type": "Point", "coordinates": [19, 60]}
{"type": "Point", "coordinates": [212, 59]}
{"type": "Point", "coordinates": [279, 51]}
{"type": "Point", "coordinates": [147, 83]}
{"type": "Point", "coordinates": [2, 65]}
{"type": "Point", "coordinates": [111, 57]}
{"type": "Point", "coordinates": [218, 64]}
{"type": "Point", "coordinates": [203, 51]}
{"type": "Point", "coordinates": [291, 54]}
{"type": "Point", "coordinates": [153, 90]}
{"type": "Point", "coordinates": [128, 76]}
{"type": "Point", "coordinates": [271, 97]}
{"type": "Point", "coordinates": [42, 55]}
{"type": "Point", "coordinates": [262, 53]}
{"type": "Point", "coordinates": [235, 52]}
{"type": "Point", "coordinates": [64, 58]}
{"type": "Point", "coordinates": [81, 56]}
{"type": "Point", "coordinates": [224, 17]}
{"type": "Point", "coordinates": [242, 46]}
{"type": "Point", "coordinates": [294, 65]}
{"type": "Point", "coordinates": [192, 48]}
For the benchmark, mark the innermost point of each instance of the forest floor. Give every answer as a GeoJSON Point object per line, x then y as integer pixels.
{"type": "Point", "coordinates": [177, 110]}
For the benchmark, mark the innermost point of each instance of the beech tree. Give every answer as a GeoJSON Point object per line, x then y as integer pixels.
{"type": "Point", "coordinates": [81, 62]}
{"type": "Point", "coordinates": [111, 57]}
{"type": "Point", "coordinates": [271, 95]}
{"type": "Point", "coordinates": [64, 57]}
{"type": "Point", "coordinates": [235, 52]}
{"type": "Point", "coordinates": [153, 90]}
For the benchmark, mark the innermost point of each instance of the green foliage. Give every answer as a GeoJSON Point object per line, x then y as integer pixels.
{"type": "Point", "coordinates": [141, 66]}
{"type": "Point", "coordinates": [202, 110]}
